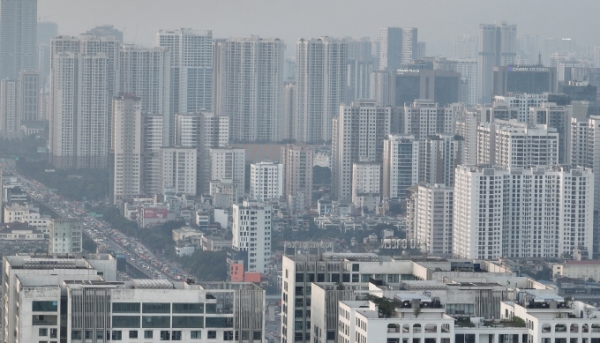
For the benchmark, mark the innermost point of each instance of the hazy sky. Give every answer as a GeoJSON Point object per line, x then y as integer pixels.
{"type": "Point", "coordinates": [438, 21]}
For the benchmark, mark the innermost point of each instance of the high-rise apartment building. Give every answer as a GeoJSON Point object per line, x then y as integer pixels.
{"type": "Point", "coordinates": [400, 165]}
{"type": "Point", "coordinates": [79, 121]}
{"type": "Point", "coordinates": [266, 181]}
{"type": "Point", "coordinates": [366, 185]}
{"type": "Point", "coordinates": [146, 73]}
{"type": "Point", "coordinates": [383, 85]}
{"type": "Point", "coordinates": [152, 143]}
{"type": "Point", "coordinates": [522, 102]}
{"type": "Point", "coordinates": [558, 118]}
{"type": "Point", "coordinates": [179, 170]}
{"type": "Point", "coordinates": [65, 236]}
{"type": "Point", "coordinates": [252, 234]}
{"type": "Point", "coordinates": [321, 82]}
{"type": "Point", "coordinates": [539, 211]}
{"type": "Point", "coordinates": [358, 134]}
{"type": "Point", "coordinates": [191, 70]}
{"type": "Point", "coordinates": [214, 133]}
{"type": "Point", "coordinates": [397, 46]}
{"type": "Point", "coordinates": [438, 157]}
{"type": "Point", "coordinates": [289, 110]}
{"type": "Point", "coordinates": [228, 163]}
{"type": "Point", "coordinates": [18, 37]}
{"type": "Point", "coordinates": [423, 118]}
{"type": "Point", "coordinates": [360, 66]}
{"type": "Point", "coordinates": [9, 112]}
{"type": "Point", "coordinates": [248, 86]}
{"type": "Point", "coordinates": [126, 148]}
{"type": "Point", "coordinates": [106, 31]}
{"type": "Point", "coordinates": [467, 68]}
{"type": "Point", "coordinates": [466, 46]}
{"type": "Point", "coordinates": [297, 163]}
{"type": "Point", "coordinates": [466, 127]}
{"type": "Point", "coordinates": [497, 47]}
{"type": "Point", "coordinates": [439, 86]}
{"type": "Point", "coordinates": [429, 218]}
{"type": "Point", "coordinates": [28, 97]}
{"type": "Point", "coordinates": [512, 144]}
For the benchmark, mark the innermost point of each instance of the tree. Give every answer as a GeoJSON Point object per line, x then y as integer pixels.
{"type": "Point", "coordinates": [417, 311]}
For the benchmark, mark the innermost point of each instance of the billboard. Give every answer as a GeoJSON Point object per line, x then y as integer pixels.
{"type": "Point", "coordinates": [156, 213]}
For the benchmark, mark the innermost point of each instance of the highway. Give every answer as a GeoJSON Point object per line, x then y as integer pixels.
{"type": "Point", "coordinates": [99, 231]}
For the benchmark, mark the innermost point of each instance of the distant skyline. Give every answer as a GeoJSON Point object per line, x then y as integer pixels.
{"type": "Point", "coordinates": [438, 21]}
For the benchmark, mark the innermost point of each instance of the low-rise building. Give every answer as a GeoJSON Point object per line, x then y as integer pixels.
{"type": "Point", "coordinates": [185, 232]}
{"type": "Point", "coordinates": [587, 269]}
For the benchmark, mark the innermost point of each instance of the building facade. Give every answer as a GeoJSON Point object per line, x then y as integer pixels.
{"type": "Point", "coordinates": [266, 181]}
{"type": "Point", "coordinates": [252, 234]}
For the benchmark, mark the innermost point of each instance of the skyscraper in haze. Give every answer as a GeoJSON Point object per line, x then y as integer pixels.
{"type": "Point", "coordinates": [146, 73]}
{"type": "Point", "coordinates": [126, 148]}
{"type": "Point", "coordinates": [106, 31]}
{"type": "Point", "coordinates": [397, 46]}
{"type": "Point", "coordinates": [79, 121]}
{"type": "Point", "coordinates": [321, 82]}
{"type": "Point", "coordinates": [249, 87]}
{"type": "Point", "coordinates": [18, 37]}
{"type": "Point", "coordinates": [191, 70]}
{"type": "Point", "coordinates": [497, 47]}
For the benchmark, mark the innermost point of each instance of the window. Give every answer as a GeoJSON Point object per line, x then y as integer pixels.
{"type": "Point", "coordinates": [156, 322]}
{"type": "Point", "coordinates": [211, 308]}
{"type": "Point", "coordinates": [75, 334]}
{"type": "Point", "coordinates": [44, 306]}
{"type": "Point", "coordinates": [165, 336]}
{"type": "Point", "coordinates": [100, 334]}
{"type": "Point", "coordinates": [43, 332]}
{"type": "Point", "coordinates": [176, 335]}
{"type": "Point", "coordinates": [188, 308]}
{"type": "Point", "coordinates": [148, 334]}
{"type": "Point", "coordinates": [228, 336]}
{"type": "Point", "coordinates": [188, 322]}
{"type": "Point", "coordinates": [53, 333]}
{"type": "Point", "coordinates": [133, 334]}
{"type": "Point", "coordinates": [117, 335]}
{"type": "Point", "coordinates": [197, 334]}
{"type": "Point", "coordinates": [125, 321]}
{"type": "Point", "coordinates": [211, 334]}
{"type": "Point", "coordinates": [126, 307]}
{"type": "Point", "coordinates": [156, 308]}
{"type": "Point", "coordinates": [219, 322]}
{"type": "Point", "coordinates": [257, 335]}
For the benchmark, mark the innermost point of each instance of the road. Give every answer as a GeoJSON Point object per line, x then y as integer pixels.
{"type": "Point", "coordinates": [100, 231]}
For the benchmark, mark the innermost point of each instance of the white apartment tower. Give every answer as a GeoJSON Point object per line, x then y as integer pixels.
{"type": "Point", "coordinates": [126, 148]}
{"type": "Point", "coordinates": [522, 102]}
{"type": "Point", "coordinates": [423, 118]}
{"type": "Point", "coordinates": [397, 46]}
{"type": "Point", "coordinates": [191, 58]}
{"type": "Point", "coordinates": [400, 165]}
{"type": "Point", "coordinates": [466, 127]}
{"type": "Point", "coordinates": [366, 184]}
{"type": "Point", "coordinates": [429, 218]}
{"type": "Point", "coordinates": [358, 134]}
{"type": "Point", "coordinates": [297, 163]}
{"type": "Point", "coordinates": [248, 87]}
{"type": "Point", "coordinates": [18, 37]}
{"type": "Point", "coordinates": [229, 164]}
{"type": "Point", "coordinates": [252, 234]}
{"type": "Point", "coordinates": [513, 144]}
{"type": "Point", "coordinates": [65, 236]}
{"type": "Point", "coordinates": [79, 123]}
{"type": "Point", "coordinates": [179, 170]}
{"type": "Point", "coordinates": [214, 133]}
{"type": "Point", "coordinates": [539, 211]}
{"type": "Point", "coordinates": [266, 181]}
{"type": "Point", "coordinates": [152, 143]}
{"type": "Point", "coordinates": [146, 73]}
{"type": "Point", "coordinates": [438, 157]}
{"type": "Point", "coordinates": [497, 47]}
{"type": "Point", "coordinates": [321, 82]}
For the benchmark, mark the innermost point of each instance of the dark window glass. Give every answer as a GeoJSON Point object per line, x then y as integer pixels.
{"type": "Point", "coordinates": [148, 334]}
{"type": "Point", "coordinates": [44, 306]}
{"type": "Point", "coordinates": [156, 322]}
{"type": "Point", "coordinates": [126, 321]}
{"type": "Point", "coordinates": [196, 334]}
{"type": "Point", "coordinates": [228, 336]}
{"type": "Point", "coordinates": [133, 334]}
{"type": "Point", "coordinates": [176, 335]}
{"type": "Point", "coordinates": [76, 334]}
{"type": "Point", "coordinates": [211, 308]}
{"type": "Point", "coordinates": [181, 322]}
{"type": "Point", "coordinates": [156, 308]}
{"type": "Point", "coordinates": [211, 334]}
{"type": "Point", "coordinates": [126, 307]}
{"type": "Point", "coordinates": [116, 335]}
{"type": "Point", "coordinates": [165, 336]}
{"type": "Point", "coordinates": [219, 322]}
{"type": "Point", "coordinates": [188, 308]}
